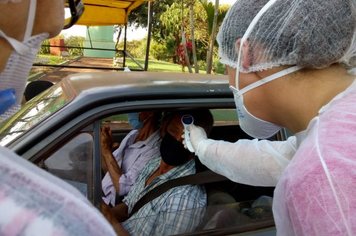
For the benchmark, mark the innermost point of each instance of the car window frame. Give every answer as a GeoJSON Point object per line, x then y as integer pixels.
{"type": "Point", "coordinates": [90, 120]}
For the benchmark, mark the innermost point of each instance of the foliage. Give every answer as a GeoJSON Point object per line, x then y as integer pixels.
{"type": "Point", "coordinates": [176, 17]}
{"type": "Point", "coordinates": [137, 48]}
{"type": "Point", "coordinates": [209, 9]}
{"type": "Point", "coordinates": [218, 67]}
{"type": "Point", "coordinates": [44, 47]}
{"type": "Point", "coordinates": [159, 51]}
{"type": "Point", "coordinates": [202, 64]}
{"type": "Point", "coordinates": [75, 41]}
{"type": "Point", "coordinates": [168, 18]}
{"type": "Point", "coordinates": [139, 16]}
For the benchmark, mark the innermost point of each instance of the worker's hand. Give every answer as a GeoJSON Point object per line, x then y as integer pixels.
{"type": "Point", "coordinates": [197, 134]}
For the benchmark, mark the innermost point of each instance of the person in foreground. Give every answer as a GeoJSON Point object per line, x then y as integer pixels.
{"type": "Point", "coordinates": [126, 162]}
{"type": "Point", "coordinates": [32, 201]}
{"type": "Point", "coordinates": [294, 63]}
{"type": "Point", "coordinates": [177, 210]}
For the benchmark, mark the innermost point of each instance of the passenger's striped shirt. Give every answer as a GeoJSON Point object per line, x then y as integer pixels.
{"type": "Point", "coordinates": [176, 211]}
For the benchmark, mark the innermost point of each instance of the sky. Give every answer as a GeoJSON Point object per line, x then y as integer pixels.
{"type": "Point", "coordinates": [225, 1]}
{"type": "Point", "coordinates": [132, 33]}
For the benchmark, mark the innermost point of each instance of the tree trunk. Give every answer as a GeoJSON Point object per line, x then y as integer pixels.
{"type": "Point", "coordinates": [209, 59]}
{"type": "Point", "coordinates": [184, 43]}
{"type": "Point", "coordinates": [192, 27]}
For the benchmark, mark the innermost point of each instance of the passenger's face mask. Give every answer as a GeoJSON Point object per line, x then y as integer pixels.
{"type": "Point", "coordinates": [173, 152]}
{"type": "Point", "coordinates": [14, 75]}
{"type": "Point", "coordinates": [134, 120]}
{"type": "Point", "coordinates": [250, 124]}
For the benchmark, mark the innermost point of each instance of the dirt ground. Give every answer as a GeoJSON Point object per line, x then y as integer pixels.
{"type": "Point", "coordinates": [55, 74]}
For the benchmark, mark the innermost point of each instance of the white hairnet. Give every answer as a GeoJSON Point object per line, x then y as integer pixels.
{"type": "Point", "coordinates": [307, 33]}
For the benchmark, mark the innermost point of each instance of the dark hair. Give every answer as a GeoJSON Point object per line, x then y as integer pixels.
{"type": "Point", "coordinates": [202, 118]}
{"type": "Point", "coordinates": [36, 87]}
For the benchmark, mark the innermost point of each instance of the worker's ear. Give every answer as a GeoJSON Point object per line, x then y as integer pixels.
{"type": "Point", "coordinates": [246, 55]}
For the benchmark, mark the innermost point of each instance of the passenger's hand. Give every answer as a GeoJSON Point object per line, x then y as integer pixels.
{"type": "Point", "coordinates": [197, 134]}
{"type": "Point", "coordinates": [106, 138]}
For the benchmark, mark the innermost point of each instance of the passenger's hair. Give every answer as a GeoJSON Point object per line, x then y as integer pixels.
{"type": "Point", "coordinates": [36, 87]}
{"type": "Point", "coordinates": [202, 118]}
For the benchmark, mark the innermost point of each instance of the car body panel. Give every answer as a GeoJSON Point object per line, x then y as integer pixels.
{"type": "Point", "coordinates": [88, 98]}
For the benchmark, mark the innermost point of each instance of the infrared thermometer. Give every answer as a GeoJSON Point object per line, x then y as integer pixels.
{"type": "Point", "coordinates": [186, 121]}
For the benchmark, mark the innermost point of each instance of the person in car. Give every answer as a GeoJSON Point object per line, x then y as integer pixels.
{"type": "Point", "coordinates": [124, 164]}
{"type": "Point", "coordinates": [291, 64]}
{"type": "Point", "coordinates": [169, 213]}
{"type": "Point", "coordinates": [32, 201]}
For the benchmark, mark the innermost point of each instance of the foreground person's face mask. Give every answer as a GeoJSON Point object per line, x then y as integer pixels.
{"type": "Point", "coordinates": [14, 76]}
{"type": "Point", "coordinates": [250, 124]}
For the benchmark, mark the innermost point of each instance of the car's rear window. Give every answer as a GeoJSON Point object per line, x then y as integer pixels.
{"type": "Point", "coordinates": [32, 113]}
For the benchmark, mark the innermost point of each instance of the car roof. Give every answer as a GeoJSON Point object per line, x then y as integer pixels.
{"type": "Point", "coordinates": [104, 82]}
{"type": "Point", "coordinates": [134, 90]}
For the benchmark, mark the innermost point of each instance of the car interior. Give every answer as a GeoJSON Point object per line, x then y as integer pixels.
{"type": "Point", "coordinates": [231, 206]}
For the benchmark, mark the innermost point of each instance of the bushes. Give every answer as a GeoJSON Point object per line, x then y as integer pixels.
{"type": "Point", "coordinates": [44, 47]}
{"type": "Point", "coordinates": [137, 48]}
{"type": "Point", "coordinates": [159, 51]}
{"type": "Point", "coordinates": [218, 67]}
{"type": "Point", "coordinates": [75, 41]}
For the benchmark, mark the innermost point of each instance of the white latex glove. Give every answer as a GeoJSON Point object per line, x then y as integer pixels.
{"type": "Point", "coordinates": [197, 134]}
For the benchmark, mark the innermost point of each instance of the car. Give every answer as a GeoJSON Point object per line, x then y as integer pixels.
{"type": "Point", "coordinates": [59, 131]}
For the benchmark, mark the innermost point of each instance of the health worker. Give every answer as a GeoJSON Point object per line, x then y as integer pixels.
{"type": "Point", "coordinates": [291, 64]}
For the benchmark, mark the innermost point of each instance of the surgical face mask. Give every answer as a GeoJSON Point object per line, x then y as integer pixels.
{"type": "Point", "coordinates": [250, 124]}
{"type": "Point", "coordinates": [14, 75]}
{"type": "Point", "coordinates": [173, 152]}
{"type": "Point", "coordinates": [134, 120]}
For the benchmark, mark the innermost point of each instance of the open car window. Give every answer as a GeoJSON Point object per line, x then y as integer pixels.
{"type": "Point", "coordinates": [73, 162]}
{"type": "Point", "coordinates": [32, 113]}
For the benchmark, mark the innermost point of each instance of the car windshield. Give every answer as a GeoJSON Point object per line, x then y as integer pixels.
{"type": "Point", "coordinates": [32, 113]}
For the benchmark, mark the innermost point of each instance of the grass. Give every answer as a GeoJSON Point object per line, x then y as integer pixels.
{"type": "Point", "coordinates": [52, 59]}
{"type": "Point", "coordinates": [153, 65]}
{"type": "Point", "coordinates": [158, 66]}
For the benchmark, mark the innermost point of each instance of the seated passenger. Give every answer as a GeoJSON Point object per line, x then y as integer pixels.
{"type": "Point", "coordinates": [177, 210]}
{"type": "Point", "coordinates": [126, 162]}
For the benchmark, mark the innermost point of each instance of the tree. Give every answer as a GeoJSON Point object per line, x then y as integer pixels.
{"type": "Point", "coordinates": [77, 42]}
{"type": "Point", "coordinates": [139, 16]}
{"type": "Point", "coordinates": [215, 14]}
{"type": "Point", "coordinates": [209, 58]}
{"type": "Point", "coordinates": [169, 17]}
{"type": "Point", "coordinates": [177, 17]}
{"type": "Point", "coordinates": [192, 29]}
